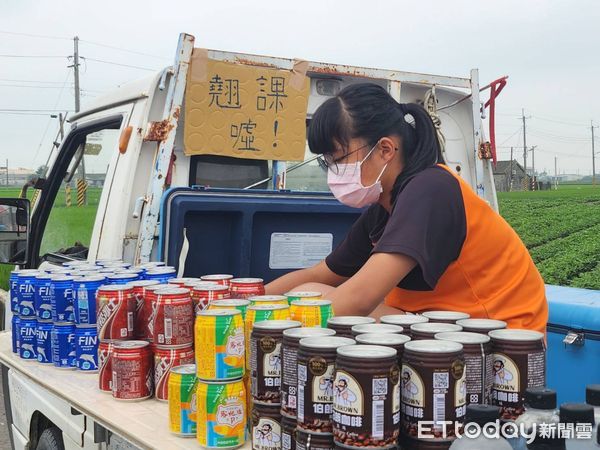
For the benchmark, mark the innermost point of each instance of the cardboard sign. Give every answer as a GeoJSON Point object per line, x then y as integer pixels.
{"type": "Point", "coordinates": [245, 111]}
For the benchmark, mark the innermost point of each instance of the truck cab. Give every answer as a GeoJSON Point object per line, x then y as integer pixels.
{"type": "Point", "coordinates": [121, 185]}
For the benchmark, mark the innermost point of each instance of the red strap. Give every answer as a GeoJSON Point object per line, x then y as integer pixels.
{"type": "Point", "coordinates": [496, 88]}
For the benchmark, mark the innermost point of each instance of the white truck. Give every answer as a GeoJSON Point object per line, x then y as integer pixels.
{"type": "Point", "coordinates": [147, 200]}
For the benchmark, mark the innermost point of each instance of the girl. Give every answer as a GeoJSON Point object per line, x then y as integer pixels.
{"type": "Point", "coordinates": [426, 241]}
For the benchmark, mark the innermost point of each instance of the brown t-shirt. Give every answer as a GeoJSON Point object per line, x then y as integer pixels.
{"type": "Point", "coordinates": [427, 223]}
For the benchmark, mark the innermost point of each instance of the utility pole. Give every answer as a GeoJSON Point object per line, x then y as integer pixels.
{"type": "Point", "coordinates": [533, 167]}
{"type": "Point", "coordinates": [593, 154]}
{"type": "Point", "coordinates": [524, 145]}
{"type": "Point", "coordinates": [6, 171]}
{"type": "Point", "coordinates": [510, 185]}
{"type": "Point", "coordinates": [555, 173]}
{"type": "Point", "coordinates": [76, 72]}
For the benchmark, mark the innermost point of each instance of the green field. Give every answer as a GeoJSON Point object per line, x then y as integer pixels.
{"type": "Point", "coordinates": [560, 228]}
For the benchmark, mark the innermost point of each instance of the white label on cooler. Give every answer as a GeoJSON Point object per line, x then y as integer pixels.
{"type": "Point", "coordinates": [298, 250]}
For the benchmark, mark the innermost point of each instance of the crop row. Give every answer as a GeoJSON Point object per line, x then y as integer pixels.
{"type": "Point", "coordinates": [588, 280]}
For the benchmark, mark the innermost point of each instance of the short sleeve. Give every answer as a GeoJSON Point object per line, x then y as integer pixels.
{"type": "Point", "coordinates": [354, 251]}
{"type": "Point", "coordinates": [427, 223]}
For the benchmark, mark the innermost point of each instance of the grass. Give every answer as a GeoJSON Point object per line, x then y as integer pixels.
{"type": "Point", "coordinates": [561, 229]}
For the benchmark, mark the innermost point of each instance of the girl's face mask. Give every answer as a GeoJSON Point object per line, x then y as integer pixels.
{"type": "Point", "coordinates": [346, 185]}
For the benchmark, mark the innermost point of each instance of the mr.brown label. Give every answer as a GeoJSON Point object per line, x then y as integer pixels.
{"type": "Point", "coordinates": [315, 395]}
{"type": "Point", "coordinates": [265, 369]}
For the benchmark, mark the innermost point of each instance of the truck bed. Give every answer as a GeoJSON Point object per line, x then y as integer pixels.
{"type": "Point", "coordinates": [143, 423]}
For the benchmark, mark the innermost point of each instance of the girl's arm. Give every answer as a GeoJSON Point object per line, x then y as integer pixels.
{"type": "Point", "coordinates": [318, 273]}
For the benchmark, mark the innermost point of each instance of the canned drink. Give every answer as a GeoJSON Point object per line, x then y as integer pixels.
{"type": "Point", "coordinates": [131, 370]}
{"type": "Point", "coordinates": [266, 427]}
{"type": "Point", "coordinates": [303, 295]}
{"type": "Point", "coordinates": [161, 274]}
{"type": "Point", "coordinates": [204, 294]}
{"type": "Point", "coordinates": [121, 278]}
{"type": "Point", "coordinates": [222, 415]}
{"type": "Point", "coordinates": [182, 400]}
{"type": "Point", "coordinates": [105, 351]}
{"type": "Point", "coordinates": [86, 349]}
{"type": "Point", "coordinates": [183, 281]}
{"type": "Point", "coordinates": [42, 299]}
{"type": "Point", "coordinates": [173, 321]}
{"type": "Point", "coordinates": [85, 299]}
{"type": "Point", "coordinates": [76, 263]}
{"type": "Point", "coordinates": [103, 262]}
{"type": "Point", "coordinates": [165, 359]}
{"type": "Point", "coordinates": [118, 265]}
{"type": "Point", "coordinates": [27, 338]}
{"type": "Point", "coordinates": [246, 287]}
{"type": "Point", "coordinates": [116, 306]}
{"type": "Point", "coordinates": [231, 303]}
{"type": "Point", "coordinates": [26, 293]}
{"type": "Point", "coordinates": [62, 298]}
{"type": "Point", "coordinates": [268, 300]}
{"type": "Point", "coordinates": [144, 316]}
{"type": "Point", "coordinates": [15, 330]}
{"type": "Point", "coordinates": [265, 360]}
{"type": "Point", "coordinates": [258, 313]}
{"type": "Point", "coordinates": [13, 290]}
{"type": "Point", "coordinates": [63, 345]}
{"type": "Point", "coordinates": [137, 272]}
{"type": "Point", "coordinates": [220, 278]}
{"type": "Point", "coordinates": [139, 292]}
{"type": "Point", "coordinates": [312, 313]}
{"type": "Point", "coordinates": [219, 344]}
{"type": "Point", "coordinates": [43, 338]}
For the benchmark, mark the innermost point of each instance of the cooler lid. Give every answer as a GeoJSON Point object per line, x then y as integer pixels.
{"type": "Point", "coordinates": [573, 308]}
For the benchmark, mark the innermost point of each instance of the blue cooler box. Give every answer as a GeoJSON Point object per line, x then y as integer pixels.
{"type": "Point", "coordinates": [573, 341]}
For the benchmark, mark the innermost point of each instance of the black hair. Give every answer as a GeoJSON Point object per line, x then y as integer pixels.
{"type": "Point", "coordinates": [367, 111]}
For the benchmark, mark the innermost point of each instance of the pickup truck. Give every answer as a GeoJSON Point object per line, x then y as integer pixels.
{"type": "Point", "coordinates": [143, 198]}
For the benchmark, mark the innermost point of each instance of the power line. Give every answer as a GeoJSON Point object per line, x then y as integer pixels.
{"type": "Point", "coordinates": [30, 81]}
{"type": "Point", "coordinates": [30, 86]}
{"type": "Point", "coordinates": [33, 56]}
{"type": "Point", "coordinates": [113, 47]}
{"type": "Point", "coordinates": [32, 110]}
{"type": "Point", "coordinates": [16, 113]}
{"type": "Point", "coordinates": [41, 36]}
{"type": "Point", "coordinates": [117, 64]}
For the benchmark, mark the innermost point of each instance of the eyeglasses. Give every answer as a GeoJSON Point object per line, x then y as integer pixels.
{"type": "Point", "coordinates": [328, 162]}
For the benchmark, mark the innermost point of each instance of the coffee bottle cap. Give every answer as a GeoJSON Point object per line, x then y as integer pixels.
{"type": "Point", "coordinates": [482, 414]}
{"type": "Point", "coordinates": [576, 413]}
{"type": "Point", "coordinates": [540, 398]}
{"type": "Point", "coordinates": [592, 394]}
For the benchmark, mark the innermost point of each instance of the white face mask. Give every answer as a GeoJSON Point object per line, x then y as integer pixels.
{"type": "Point", "coordinates": [346, 184]}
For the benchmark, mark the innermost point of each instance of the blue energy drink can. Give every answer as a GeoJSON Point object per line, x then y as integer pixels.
{"type": "Point", "coordinates": [62, 299]}
{"type": "Point", "coordinates": [44, 342]}
{"type": "Point", "coordinates": [13, 283]}
{"type": "Point", "coordinates": [86, 349]}
{"type": "Point", "coordinates": [42, 300]}
{"type": "Point", "coordinates": [16, 324]}
{"type": "Point", "coordinates": [27, 338]}
{"type": "Point", "coordinates": [122, 278]}
{"type": "Point", "coordinates": [63, 345]}
{"type": "Point", "coordinates": [85, 298]}
{"type": "Point", "coordinates": [26, 292]}
{"type": "Point", "coordinates": [161, 274]}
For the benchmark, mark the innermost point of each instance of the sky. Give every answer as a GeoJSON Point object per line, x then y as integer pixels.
{"type": "Point", "coordinates": [549, 50]}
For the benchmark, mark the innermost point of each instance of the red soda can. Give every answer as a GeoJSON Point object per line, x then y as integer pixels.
{"type": "Point", "coordinates": [164, 360]}
{"type": "Point", "coordinates": [220, 278]}
{"type": "Point", "coordinates": [144, 325]}
{"type": "Point", "coordinates": [105, 349]}
{"type": "Point", "coordinates": [246, 287]}
{"type": "Point", "coordinates": [204, 293]}
{"type": "Point", "coordinates": [183, 282]}
{"type": "Point", "coordinates": [173, 318]}
{"type": "Point", "coordinates": [139, 288]}
{"type": "Point", "coordinates": [132, 370]}
{"type": "Point", "coordinates": [116, 310]}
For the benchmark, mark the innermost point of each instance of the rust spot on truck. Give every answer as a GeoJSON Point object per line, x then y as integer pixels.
{"type": "Point", "coordinates": [328, 70]}
{"type": "Point", "coordinates": [255, 63]}
{"type": "Point", "coordinates": [176, 113]}
{"type": "Point", "coordinates": [158, 131]}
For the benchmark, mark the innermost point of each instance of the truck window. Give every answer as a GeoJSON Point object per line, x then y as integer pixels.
{"type": "Point", "coordinates": [73, 212]}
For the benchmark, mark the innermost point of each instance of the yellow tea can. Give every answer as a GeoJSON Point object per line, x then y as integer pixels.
{"type": "Point", "coordinates": [231, 303]}
{"type": "Point", "coordinates": [182, 400]}
{"type": "Point", "coordinates": [220, 344]}
{"type": "Point", "coordinates": [268, 300]}
{"type": "Point", "coordinates": [302, 295]}
{"type": "Point", "coordinates": [311, 313]}
{"type": "Point", "coordinates": [222, 414]}
{"type": "Point", "coordinates": [258, 313]}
